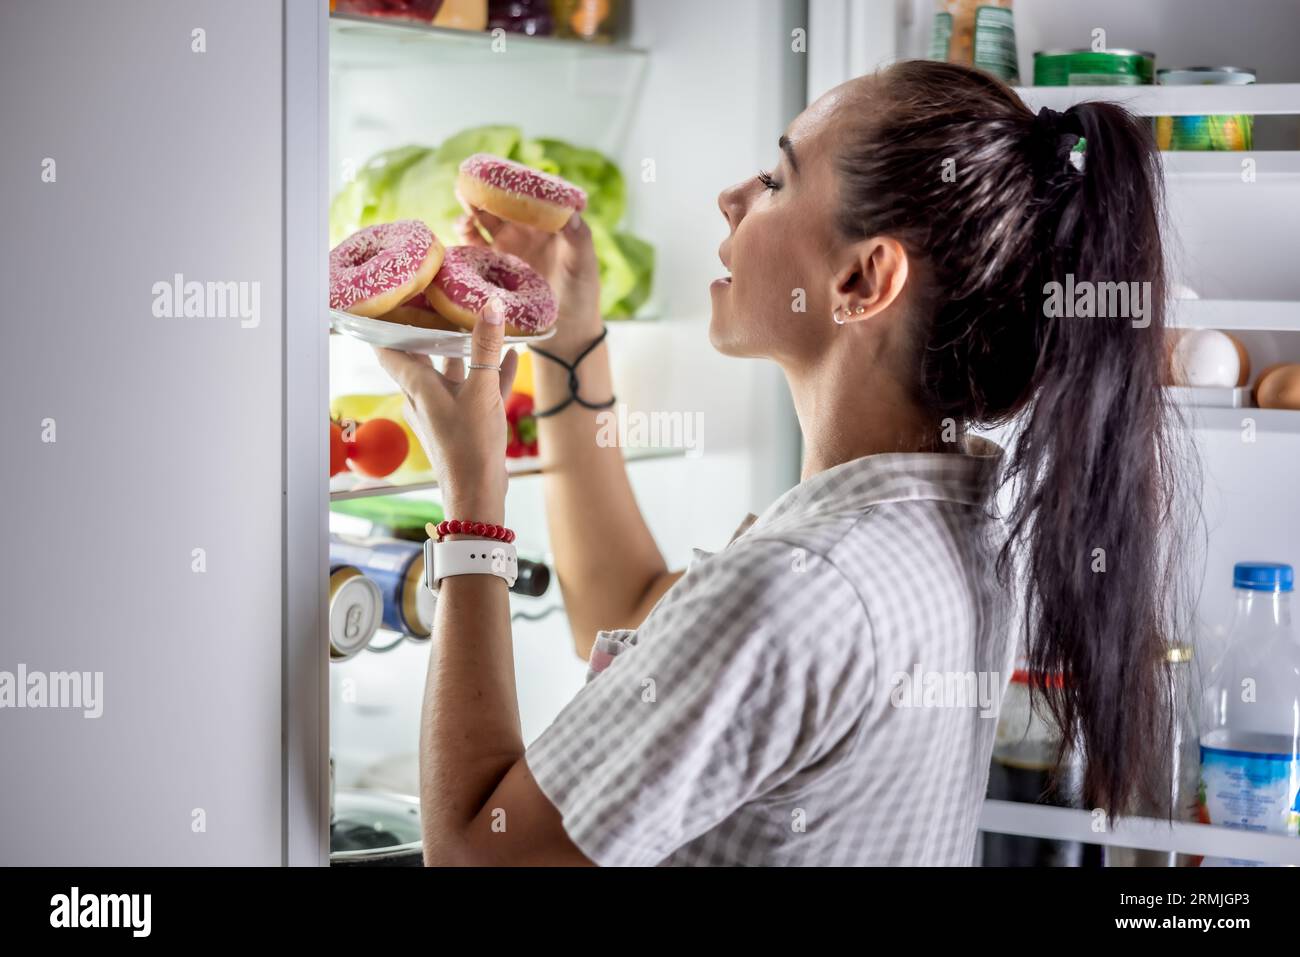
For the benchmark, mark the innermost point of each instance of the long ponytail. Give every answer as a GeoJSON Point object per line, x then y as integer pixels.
{"type": "Point", "coordinates": [1046, 306]}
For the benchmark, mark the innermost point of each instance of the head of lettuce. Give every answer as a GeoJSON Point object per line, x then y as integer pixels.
{"type": "Point", "coordinates": [419, 182]}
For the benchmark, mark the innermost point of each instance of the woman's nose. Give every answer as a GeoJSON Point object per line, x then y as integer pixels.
{"type": "Point", "coordinates": [732, 203]}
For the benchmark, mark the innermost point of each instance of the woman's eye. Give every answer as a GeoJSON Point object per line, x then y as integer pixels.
{"type": "Point", "coordinates": [767, 180]}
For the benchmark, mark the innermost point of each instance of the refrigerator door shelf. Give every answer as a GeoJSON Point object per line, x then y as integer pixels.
{"type": "Point", "coordinates": [1211, 396]}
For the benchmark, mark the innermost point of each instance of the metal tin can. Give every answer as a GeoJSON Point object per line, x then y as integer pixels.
{"type": "Point", "coordinates": [354, 611]}
{"type": "Point", "coordinates": [1094, 67]}
{"type": "Point", "coordinates": [397, 567]}
{"type": "Point", "coordinates": [1216, 132]}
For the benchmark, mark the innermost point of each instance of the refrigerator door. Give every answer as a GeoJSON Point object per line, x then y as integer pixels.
{"type": "Point", "coordinates": [161, 659]}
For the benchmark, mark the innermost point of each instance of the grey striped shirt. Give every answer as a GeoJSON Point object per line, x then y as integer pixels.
{"type": "Point", "coordinates": [823, 691]}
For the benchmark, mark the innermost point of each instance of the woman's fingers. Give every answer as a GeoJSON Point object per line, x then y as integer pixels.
{"type": "Point", "coordinates": [485, 346]}
{"type": "Point", "coordinates": [468, 233]}
{"type": "Point", "coordinates": [582, 252]}
{"type": "Point", "coordinates": [492, 224]}
{"type": "Point", "coordinates": [509, 366]}
{"type": "Point", "coordinates": [453, 369]}
{"type": "Point", "coordinates": [414, 374]}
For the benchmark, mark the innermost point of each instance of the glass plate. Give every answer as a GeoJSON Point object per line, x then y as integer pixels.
{"type": "Point", "coordinates": [394, 335]}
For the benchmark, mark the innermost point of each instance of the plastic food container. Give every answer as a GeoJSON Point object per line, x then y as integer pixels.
{"type": "Point", "coordinates": [1218, 132]}
{"type": "Point", "coordinates": [1094, 67]}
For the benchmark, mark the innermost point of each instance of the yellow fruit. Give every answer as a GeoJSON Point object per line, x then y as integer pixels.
{"type": "Point", "coordinates": [358, 407]}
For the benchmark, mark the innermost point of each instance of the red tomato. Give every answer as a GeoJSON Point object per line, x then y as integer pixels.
{"type": "Point", "coordinates": [338, 450]}
{"type": "Point", "coordinates": [378, 448]}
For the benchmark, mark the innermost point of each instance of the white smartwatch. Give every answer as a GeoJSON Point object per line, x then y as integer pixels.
{"type": "Point", "coordinates": [469, 556]}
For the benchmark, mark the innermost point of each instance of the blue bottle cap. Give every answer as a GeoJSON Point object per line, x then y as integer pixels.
{"type": "Point", "coordinates": [1263, 576]}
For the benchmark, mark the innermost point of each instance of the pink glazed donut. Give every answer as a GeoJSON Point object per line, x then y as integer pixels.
{"type": "Point", "coordinates": [378, 268]}
{"type": "Point", "coordinates": [472, 276]}
{"type": "Point", "coordinates": [518, 193]}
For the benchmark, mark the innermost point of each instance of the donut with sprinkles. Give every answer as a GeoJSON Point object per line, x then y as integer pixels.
{"type": "Point", "coordinates": [378, 268]}
{"type": "Point", "coordinates": [473, 276]}
{"type": "Point", "coordinates": [518, 193]}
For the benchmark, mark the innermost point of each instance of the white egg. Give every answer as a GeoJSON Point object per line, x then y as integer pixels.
{"type": "Point", "coordinates": [1205, 357]}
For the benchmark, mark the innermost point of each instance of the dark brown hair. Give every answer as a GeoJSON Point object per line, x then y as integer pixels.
{"type": "Point", "coordinates": [1094, 464]}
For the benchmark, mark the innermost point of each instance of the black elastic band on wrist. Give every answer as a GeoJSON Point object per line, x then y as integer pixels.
{"type": "Point", "coordinates": [573, 379]}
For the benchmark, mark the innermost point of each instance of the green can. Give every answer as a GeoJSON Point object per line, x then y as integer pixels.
{"type": "Point", "coordinates": [1094, 67]}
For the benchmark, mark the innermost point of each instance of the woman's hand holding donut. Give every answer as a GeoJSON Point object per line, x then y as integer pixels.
{"type": "Point", "coordinates": [460, 418]}
{"type": "Point", "coordinates": [566, 259]}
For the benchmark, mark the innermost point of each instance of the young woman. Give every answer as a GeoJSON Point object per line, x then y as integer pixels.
{"type": "Point", "coordinates": [770, 706]}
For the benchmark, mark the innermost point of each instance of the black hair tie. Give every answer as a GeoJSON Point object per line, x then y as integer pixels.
{"type": "Point", "coordinates": [573, 378]}
{"type": "Point", "coordinates": [1055, 139]}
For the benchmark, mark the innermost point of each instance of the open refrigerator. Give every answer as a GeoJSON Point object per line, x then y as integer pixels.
{"type": "Point", "coordinates": [683, 102]}
{"type": "Point", "coordinates": [663, 102]}
{"type": "Point", "coordinates": [230, 125]}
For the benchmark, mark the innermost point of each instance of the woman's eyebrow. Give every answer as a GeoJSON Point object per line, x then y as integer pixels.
{"type": "Point", "coordinates": [788, 148]}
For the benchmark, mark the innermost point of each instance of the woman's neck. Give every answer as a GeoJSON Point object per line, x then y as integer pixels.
{"type": "Point", "coordinates": [844, 419]}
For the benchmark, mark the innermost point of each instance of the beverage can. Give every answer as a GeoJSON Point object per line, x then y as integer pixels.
{"type": "Point", "coordinates": [355, 606]}
{"type": "Point", "coordinates": [397, 568]}
{"type": "Point", "coordinates": [1094, 67]}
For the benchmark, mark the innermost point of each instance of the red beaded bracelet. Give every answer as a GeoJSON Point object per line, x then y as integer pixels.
{"type": "Point", "coordinates": [456, 526]}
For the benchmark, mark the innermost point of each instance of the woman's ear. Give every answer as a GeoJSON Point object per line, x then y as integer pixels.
{"type": "Point", "coordinates": [871, 279]}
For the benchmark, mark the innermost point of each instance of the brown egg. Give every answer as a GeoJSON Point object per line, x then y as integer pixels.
{"type": "Point", "coordinates": [1263, 374]}
{"type": "Point", "coordinates": [1171, 344]}
{"type": "Point", "coordinates": [1279, 388]}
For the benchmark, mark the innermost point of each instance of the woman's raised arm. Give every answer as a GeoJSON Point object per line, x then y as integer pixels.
{"type": "Point", "coordinates": [609, 568]}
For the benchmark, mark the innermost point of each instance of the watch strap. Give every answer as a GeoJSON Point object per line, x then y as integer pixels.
{"type": "Point", "coordinates": [469, 556]}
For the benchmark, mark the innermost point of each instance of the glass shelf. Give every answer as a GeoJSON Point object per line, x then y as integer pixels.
{"type": "Point", "coordinates": [1257, 99]}
{"type": "Point", "coordinates": [341, 491]}
{"type": "Point", "coordinates": [357, 41]}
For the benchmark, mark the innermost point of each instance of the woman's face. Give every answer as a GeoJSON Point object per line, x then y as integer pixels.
{"type": "Point", "coordinates": [781, 253]}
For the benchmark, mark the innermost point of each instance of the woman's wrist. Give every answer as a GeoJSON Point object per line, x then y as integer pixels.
{"type": "Point", "coordinates": [572, 336]}
{"type": "Point", "coordinates": [490, 509]}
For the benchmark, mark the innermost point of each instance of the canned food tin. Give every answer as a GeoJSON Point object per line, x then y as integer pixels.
{"type": "Point", "coordinates": [1094, 67]}
{"type": "Point", "coordinates": [355, 607]}
{"type": "Point", "coordinates": [397, 567]}
{"type": "Point", "coordinates": [1217, 132]}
